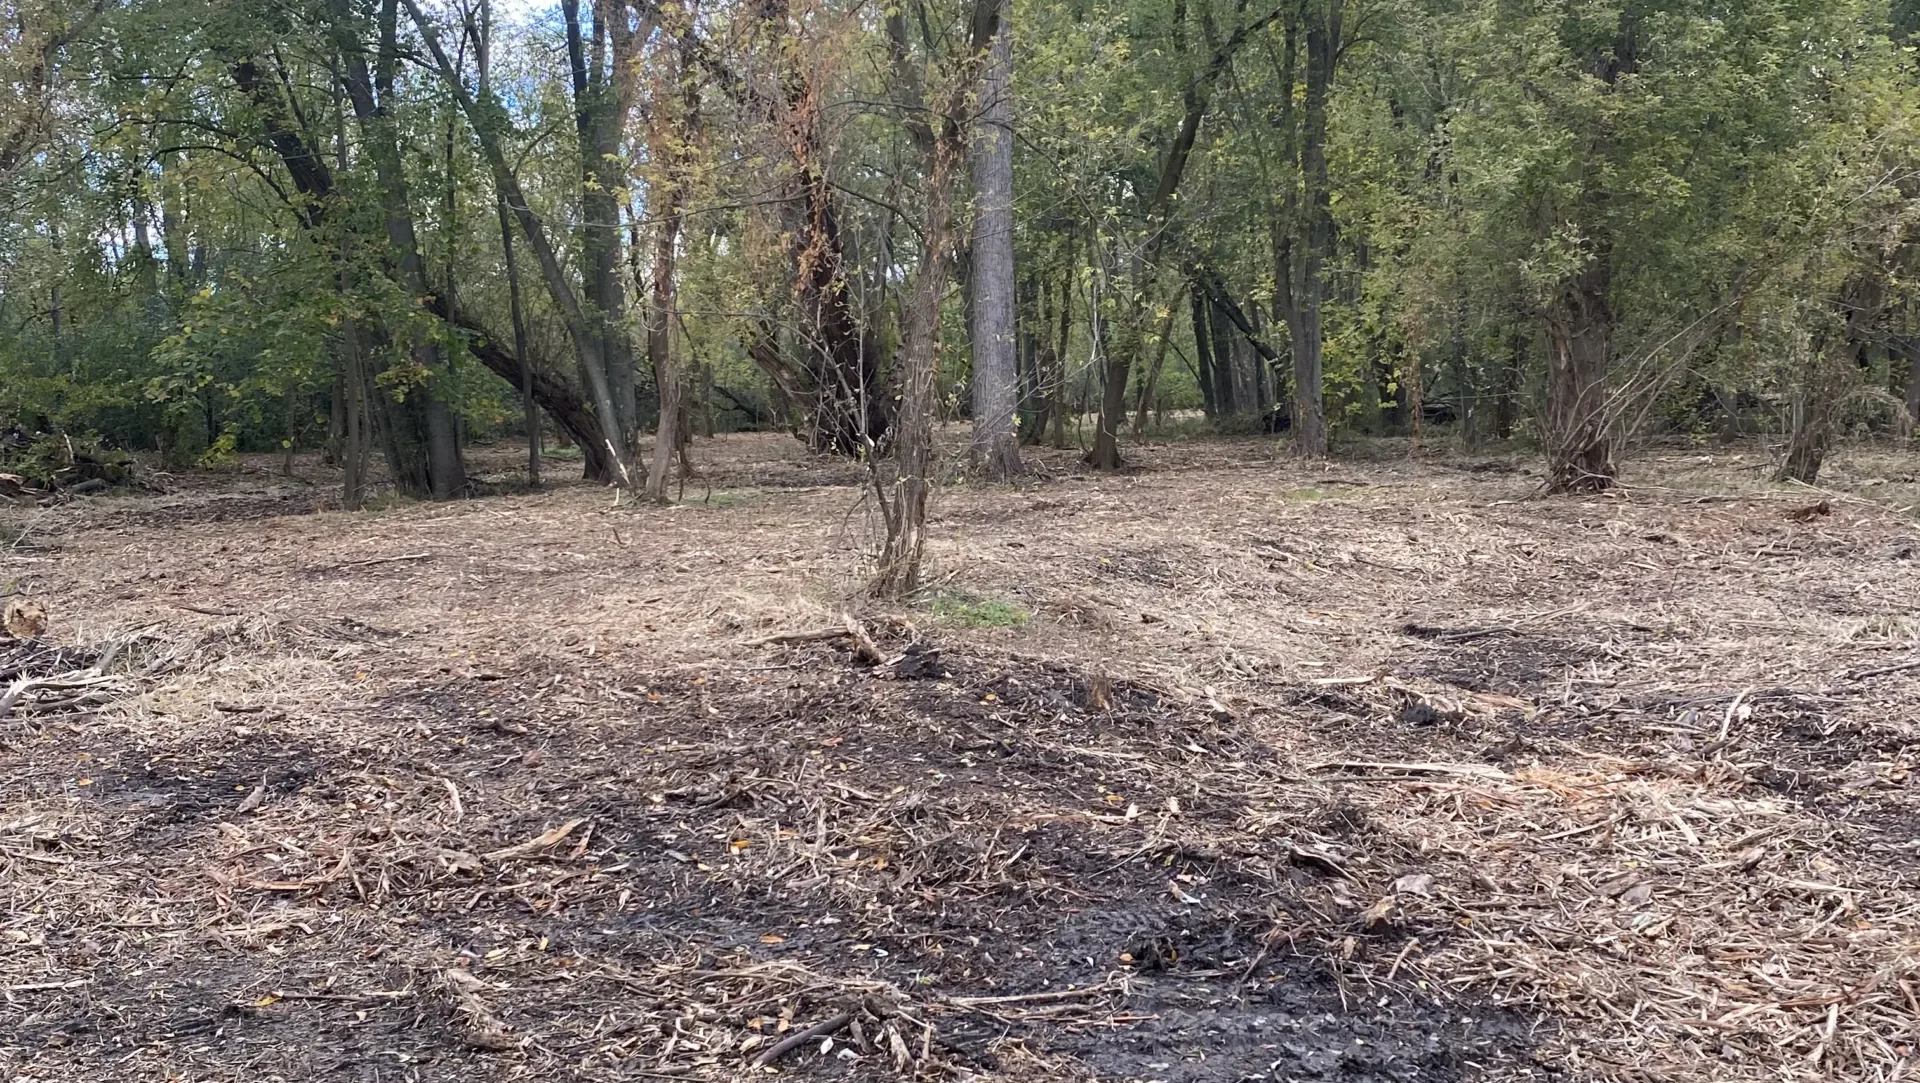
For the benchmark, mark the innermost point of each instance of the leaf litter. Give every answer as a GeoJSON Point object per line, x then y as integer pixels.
{"type": "Point", "coordinates": [1426, 781]}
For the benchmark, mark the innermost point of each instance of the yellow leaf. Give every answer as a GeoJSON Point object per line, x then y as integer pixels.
{"type": "Point", "coordinates": [772, 938]}
{"type": "Point", "coordinates": [270, 998]}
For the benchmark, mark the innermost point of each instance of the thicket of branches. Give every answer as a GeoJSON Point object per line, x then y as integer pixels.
{"type": "Point", "coordinates": [392, 227]}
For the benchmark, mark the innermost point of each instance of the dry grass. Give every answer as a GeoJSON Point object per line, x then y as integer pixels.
{"type": "Point", "coordinates": [1385, 769]}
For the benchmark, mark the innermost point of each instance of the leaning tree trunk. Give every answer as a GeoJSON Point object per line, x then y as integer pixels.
{"type": "Point", "coordinates": [603, 69]}
{"type": "Point", "coordinates": [585, 338]}
{"type": "Point", "coordinates": [996, 441]}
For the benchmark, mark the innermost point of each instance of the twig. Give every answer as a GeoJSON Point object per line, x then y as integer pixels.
{"type": "Point", "coordinates": [1402, 957]}
{"type": "Point", "coordinates": [1480, 770]}
{"type": "Point", "coordinates": [545, 841]}
{"type": "Point", "coordinates": [815, 636]}
{"type": "Point", "coordinates": [795, 1041]}
{"type": "Point", "coordinates": [43, 986]}
{"type": "Point", "coordinates": [1733, 709]}
{"type": "Point", "coordinates": [1881, 671]}
{"type": "Point", "coordinates": [382, 560]}
{"type": "Point", "coordinates": [1028, 998]}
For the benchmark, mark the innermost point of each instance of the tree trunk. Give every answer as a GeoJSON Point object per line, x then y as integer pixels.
{"type": "Point", "coordinates": [603, 71]}
{"type": "Point", "coordinates": [996, 443]}
{"type": "Point", "coordinates": [483, 54]}
{"type": "Point", "coordinates": [518, 314]}
{"type": "Point", "coordinates": [913, 427]}
{"type": "Point", "coordinates": [353, 457]}
{"type": "Point", "coordinates": [421, 421]}
{"type": "Point", "coordinates": [666, 374]}
{"type": "Point", "coordinates": [1220, 349]}
{"type": "Point", "coordinates": [1578, 433]}
{"type": "Point", "coordinates": [586, 340]}
{"type": "Point", "coordinates": [1203, 350]}
{"type": "Point", "coordinates": [1151, 384]}
{"type": "Point", "coordinates": [1057, 382]}
{"type": "Point", "coordinates": [1316, 240]}
{"type": "Point", "coordinates": [1113, 403]}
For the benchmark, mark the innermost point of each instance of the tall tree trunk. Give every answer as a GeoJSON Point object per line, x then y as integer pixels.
{"type": "Point", "coordinates": [674, 123]}
{"type": "Point", "coordinates": [1057, 383]}
{"type": "Point", "coordinates": [429, 422]}
{"type": "Point", "coordinates": [996, 443]}
{"type": "Point", "coordinates": [666, 374]}
{"type": "Point", "coordinates": [913, 428]}
{"type": "Point", "coordinates": [1151, 385]}
{"type": "Point", "coordinates": [940, 137]}
{"type": "Point", "coordinates": [517, 313]}
{"type": "Point", "coordinates": [1323, 31]}
{"type": "Point", "coordinates": [1113, 401]}
{"type": "Point", "coordinates": [1203, 349]}
{"type": "Point", "coordinates": [603, 70]}
{"type": "Point", "coordinates": [1225, 397]}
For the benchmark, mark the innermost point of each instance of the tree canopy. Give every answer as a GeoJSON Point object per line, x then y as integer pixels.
{"type": "Point", "coordinates": [390, 228]}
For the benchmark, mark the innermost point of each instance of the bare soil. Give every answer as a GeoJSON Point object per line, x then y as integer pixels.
{"type": "Point", "coordinates": [1226, 768]}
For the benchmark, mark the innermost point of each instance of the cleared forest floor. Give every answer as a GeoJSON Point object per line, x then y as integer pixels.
{"type": "Point", "coordinates": [1231, 768]}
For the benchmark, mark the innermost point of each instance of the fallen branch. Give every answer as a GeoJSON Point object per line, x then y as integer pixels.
{"type": "Point", "coordinates": [817, 635]}
{"type": "Point", "coordinates": [1029, 998]}
{"type": "Point", "coordinates": [1881, 671]}
{"type": "Point", "coordinates": [1479, 770]}
{"type": "Point", "coordinates": [21, 688]}
{"type": "Point", "coordinates": [863, 645]}
{"type": "Point", "coordinates": [208, 610]}
{"type": "Point", "coordinates": [379, 560]}
{"type": "Point", "coordinates": [795, 1041]}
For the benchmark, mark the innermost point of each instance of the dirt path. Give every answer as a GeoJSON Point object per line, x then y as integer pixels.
{"type": "Point", "coordinates": [1224, 770]}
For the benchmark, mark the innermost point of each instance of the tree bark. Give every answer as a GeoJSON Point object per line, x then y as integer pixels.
{"type": "Point", "coordinates": [1225, 396]}
{"type": "Point", "coordinates": [427, 419]}
{"type": "Point", "coordinates": [1323, 33]}
{"type": "Point", "coordinates": [1057, 384]}
{"type": "Point", "coordinates": [1203, 349]}
{"type": "Point", "coordinates": [913, 427]}
{"type": "Point", "coordinates": [603, 70]}
{"type": "Point", "coordinates": [1150, 386]}
{"type": "Point", "coordinates": [1578, 433]}
{"type": "Point", "coordinates": [664, 205]}
{"type": "Point", "coordinates": [996, 442]}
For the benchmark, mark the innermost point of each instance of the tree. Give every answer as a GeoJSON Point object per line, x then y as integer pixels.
{"type": "Point", "coordinates": [996, 443]}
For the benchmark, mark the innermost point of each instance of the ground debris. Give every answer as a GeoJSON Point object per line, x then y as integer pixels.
{"type": "Point", "coordinates": [1634, 802]}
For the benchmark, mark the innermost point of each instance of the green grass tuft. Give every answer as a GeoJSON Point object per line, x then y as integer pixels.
{"type": "Point", "coordinates": [972, 611]}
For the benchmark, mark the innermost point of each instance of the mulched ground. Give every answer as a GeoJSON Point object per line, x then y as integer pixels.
{"type": "Point", "coordinates": [1363, 772]}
